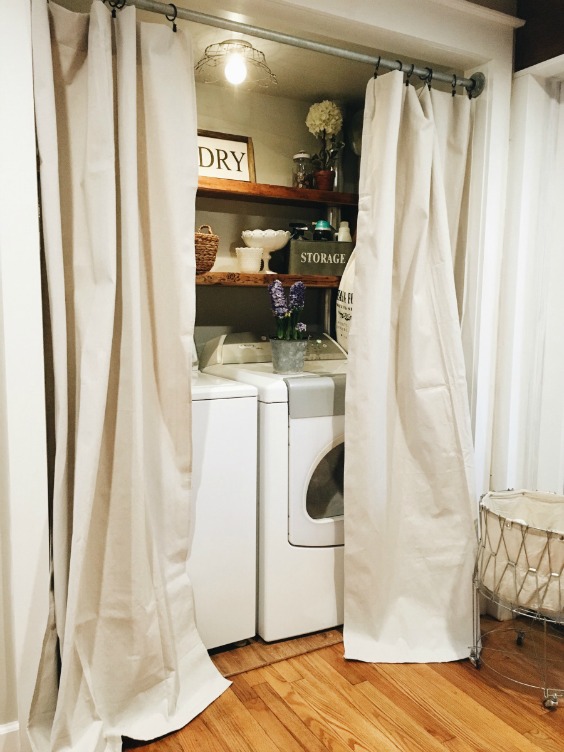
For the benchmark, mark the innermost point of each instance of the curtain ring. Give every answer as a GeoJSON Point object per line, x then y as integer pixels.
{"type": "Point", "coordinates": [399, 62]}
{"type": "Point", "coordinates": [377, 66]}
{"type": "Point", "coordinates": [429, 78]}
{"type": "Point", "coordinates": [409, 74]}
{"type": "Point", "coordinates": [453, 84]}
{"type": "Point", "coordinates": [173, 19]}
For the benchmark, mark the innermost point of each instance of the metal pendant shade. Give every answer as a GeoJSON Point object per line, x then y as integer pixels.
{"type": "Point", "coordinates": [211, 68]}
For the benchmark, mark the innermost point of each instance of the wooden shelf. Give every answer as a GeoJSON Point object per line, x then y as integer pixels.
{"type": "Point", "coordinates": [235, 279]}
{"type": "Point", "coordinates": [262, 193]}
{"type": "Point", "coordinates": [271, 194]}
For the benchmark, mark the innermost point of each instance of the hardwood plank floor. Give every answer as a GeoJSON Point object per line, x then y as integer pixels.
{"type": "Point", "coordinates": [301, 695]}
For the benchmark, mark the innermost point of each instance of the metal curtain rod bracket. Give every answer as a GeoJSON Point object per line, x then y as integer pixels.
{"type": "Point", "coordinates": [473, 85]}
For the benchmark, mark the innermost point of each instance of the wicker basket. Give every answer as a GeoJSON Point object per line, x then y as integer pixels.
{"type": "Point", "coordinates": [206, 249]}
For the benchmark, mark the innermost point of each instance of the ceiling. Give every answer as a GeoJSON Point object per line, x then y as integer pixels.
{"type": "Point", "coordinates": [304, 74]}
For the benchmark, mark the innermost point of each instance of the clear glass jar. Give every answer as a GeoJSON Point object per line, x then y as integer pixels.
{"type": "Point", "coordinates": [302, 171]}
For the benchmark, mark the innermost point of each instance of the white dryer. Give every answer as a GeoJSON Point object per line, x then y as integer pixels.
{"type": "Point", "coordinates": [222, 564]}
{"type": "Point", "coordinates": [300, 480]}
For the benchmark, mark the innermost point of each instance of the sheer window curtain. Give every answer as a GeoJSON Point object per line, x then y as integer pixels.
{"type": "Point", "coordinates": [116, 128]}
{"type": "Point", "coordinates": [528, 446]}
{"type": "Point", "coordinates": [410, 506]}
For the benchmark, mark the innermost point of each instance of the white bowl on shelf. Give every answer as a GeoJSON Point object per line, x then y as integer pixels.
{"type": "Point", "coordinates": [268, 240]}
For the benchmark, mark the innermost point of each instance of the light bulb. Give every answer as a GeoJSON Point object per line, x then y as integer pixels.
{"type": "Point", "coordinates": [235, 68]}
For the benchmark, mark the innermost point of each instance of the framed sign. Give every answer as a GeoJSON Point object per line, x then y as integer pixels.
{"type": "Point", "coordinates": [221, 155]}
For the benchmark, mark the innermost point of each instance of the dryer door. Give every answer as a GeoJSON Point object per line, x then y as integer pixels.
{"type": "Point", "coordinates": [316, 462]}
{"type": "Point", "coordinates": [315, 513]}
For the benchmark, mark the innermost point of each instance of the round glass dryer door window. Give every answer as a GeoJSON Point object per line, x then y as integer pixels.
{"type": "Point", "coordinates": [324, 497]}
{"type": "Point", "coordinates": [315, 481]}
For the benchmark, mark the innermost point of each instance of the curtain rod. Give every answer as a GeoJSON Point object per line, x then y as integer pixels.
{"type": "Point", "coordinates": [473, 85]}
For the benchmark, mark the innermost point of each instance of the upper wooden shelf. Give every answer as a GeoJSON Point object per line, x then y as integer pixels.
{"type": "Point", "coordinates": [237, 279]}
{"type": "Point", "coordinates": [260, 192]}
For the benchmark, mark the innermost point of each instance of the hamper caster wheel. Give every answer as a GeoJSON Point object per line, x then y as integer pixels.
{"type": "Point", "coordinates": [550, 702]}
{"type": "Point", "coordinates": [520, 639]}
{"type": "Point", "coordinates": [475, 659]}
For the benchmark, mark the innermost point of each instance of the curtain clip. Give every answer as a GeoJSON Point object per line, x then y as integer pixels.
{"type": "Point", "coordinates": [409, 74]}
{"type": "Point", "coordinates": [377, 66]}
{"type": "Point", "coordinates": [173, 18]}
{"type": "Point", "coordinates": [453, 84]}
{"type": "Point", "coordinates": [115, 5]}
{"type": "Point", "coordinates": [428, 77]}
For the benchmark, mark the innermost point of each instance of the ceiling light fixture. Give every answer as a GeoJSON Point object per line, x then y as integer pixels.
{"type": "Point", "coordinates": [238, 61]}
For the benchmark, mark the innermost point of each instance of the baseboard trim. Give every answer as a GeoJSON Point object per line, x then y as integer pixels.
{"type": "Point", "coordinates": [9, 728]}
{"type": "Point", "coordinates": [10, 737]}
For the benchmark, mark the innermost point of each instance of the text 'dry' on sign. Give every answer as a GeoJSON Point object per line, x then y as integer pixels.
{"type": "Point", "coordinates": [221, 155]}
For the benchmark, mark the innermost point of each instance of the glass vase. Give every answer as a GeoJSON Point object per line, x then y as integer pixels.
{"type": "Point", "coordinates": [288, 355]}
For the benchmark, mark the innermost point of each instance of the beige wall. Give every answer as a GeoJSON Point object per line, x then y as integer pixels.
{"type": "Point", "coordinates": [277, 126]}
{"type": "Point", "coordinates": [278, 130]}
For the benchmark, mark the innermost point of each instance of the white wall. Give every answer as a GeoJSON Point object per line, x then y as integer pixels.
{"type": "Point", "coordinates": [8, 699]}
{"type": "Point", "coordinates": [23, 455]}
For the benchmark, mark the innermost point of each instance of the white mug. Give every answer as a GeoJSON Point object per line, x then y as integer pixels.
{"type": "Point", "coordinates": [249, 259]}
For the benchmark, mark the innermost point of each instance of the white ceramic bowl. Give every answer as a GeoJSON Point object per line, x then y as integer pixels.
{"type": "Point", "coordinates": [269, 240]}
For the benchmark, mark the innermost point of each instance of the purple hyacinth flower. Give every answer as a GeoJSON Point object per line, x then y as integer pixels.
{"type": "Point", "coordinates": [277, 299]}
{"type": "Point", "coordinates": [297, 295]}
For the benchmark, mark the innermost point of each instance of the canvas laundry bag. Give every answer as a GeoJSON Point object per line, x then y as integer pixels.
{"type": "Point", "coordinates": [345, 303]}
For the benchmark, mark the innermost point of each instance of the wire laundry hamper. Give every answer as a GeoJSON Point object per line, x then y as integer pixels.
{"type": "Point", "coordinates": [520, 567]}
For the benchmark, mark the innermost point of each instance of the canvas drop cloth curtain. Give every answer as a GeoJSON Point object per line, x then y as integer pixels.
{"type": "Point", "coordinates": [410, 508]}
{"type": "Point", "coordinates": [116, 127]}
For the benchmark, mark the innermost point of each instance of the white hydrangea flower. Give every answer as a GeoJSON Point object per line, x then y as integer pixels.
{"type": "Point", "coordinates": [324, 116]}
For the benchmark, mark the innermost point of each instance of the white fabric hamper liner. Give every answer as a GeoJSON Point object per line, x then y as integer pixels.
{"type": "Point", "coordinates": [521, 552]}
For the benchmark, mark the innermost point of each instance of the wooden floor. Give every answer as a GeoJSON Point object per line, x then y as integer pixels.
{"type": "Point", "coordinates": [304, 696]}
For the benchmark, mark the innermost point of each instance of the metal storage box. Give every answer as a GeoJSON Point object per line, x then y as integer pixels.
{"type": "Point", "coordinates": [325, 258]}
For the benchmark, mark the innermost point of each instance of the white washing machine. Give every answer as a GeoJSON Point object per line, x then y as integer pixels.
{"type": "Point", "coordinates": [300, 472]}
{"type": "Point", "coordinates": [223, 560]}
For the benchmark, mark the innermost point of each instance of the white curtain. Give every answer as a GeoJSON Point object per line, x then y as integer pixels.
{"type": "Point", "coordinates": [116, 127]}
{"type": "Point", "coordinates": [410, 508]}
{"type": "Point", "coordinates": [528, 445]}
